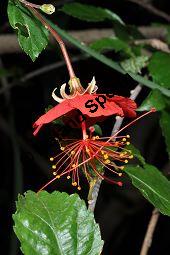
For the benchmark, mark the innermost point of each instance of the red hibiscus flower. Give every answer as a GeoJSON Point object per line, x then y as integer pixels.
{"type": "Point", "coordinates": [86, 104]}
{"type": "Point", "coordinates": [88, 153]}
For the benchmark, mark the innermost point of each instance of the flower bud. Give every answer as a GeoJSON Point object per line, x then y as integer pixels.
{"type": "Point", "coordinates": [48, 8]}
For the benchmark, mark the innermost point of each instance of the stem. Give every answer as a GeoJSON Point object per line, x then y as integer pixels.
{"type": "Point", "coordinates": [150, 231]}
{"type": "Point", "coordinates": [37, 6]}
{"type": "Point", "coordinates": [31, 7]}
{"type": "Point", "coordinates": [96, 188]}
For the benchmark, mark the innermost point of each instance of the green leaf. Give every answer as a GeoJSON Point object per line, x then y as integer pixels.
{"type": "Point", "coordinates": [154, 99]}
{"type": "Point", "coordinates": [56, 224]}
{"type": "Point", "coordinates": [153, 185]}
{"type": "Point", "coordinates": [107, 61]}
{"type": "Point", "coordinates": [135, 64]}
{"type": "Point", "coordinates": [136, 153]}
{"type": "Point", "coordinates": [32, 35]}
{"type": "Point", "coordinates": [98, 129]}
{"type": "Point", "coordinates": [90, 13]}
{"type": "Point", "coordinates": [159, 68]}
{"type": "Point", "coordinates": [165, 126]}
{"type": "Point", "coordinates": [111, 43]}
{"type": "Point", "coordinates": [149, 84]}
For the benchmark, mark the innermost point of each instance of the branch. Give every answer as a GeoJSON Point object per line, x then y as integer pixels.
{"type": "Point", "coordinates": [94, 193]}
{"type": "Point", "coordinates": [154, 43]}
{"type": "Point", "coordinates": [40, 71]}
{"type": "Point", "coordinates": [146, 5]}
{"type": "Point", "coordinates": [150, 231]}
{"type": "Point", "coordinates": [9, 43]}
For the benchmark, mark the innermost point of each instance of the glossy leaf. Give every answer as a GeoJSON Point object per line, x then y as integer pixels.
{"type": "Point", "coordinates": [154, 99]}
{"type": "Point", "coordinates": [165, 126]}
{"type": "Point", "coordinates": [153, 185]}
{"type": "Point", "coordinates": [90, 13]}
{"type": "Point", "coordinates": [32, 36]}
{"type": "Point", "coordinates": [111, 43]}
{"type": "Point", "coordinates": [56, 224]}
{"type": "Point", "coordinates": [159, 68]}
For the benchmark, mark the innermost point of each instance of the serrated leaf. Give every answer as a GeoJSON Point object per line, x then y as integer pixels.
{"type": "Point", "coordinates": [159, 68]}
{"type": "Point", "coordinates": [165, 126]}
{"type": "Point", "coordinates": [111, 43]}
{"type": "Point", "coordinates": [90, 13]}
{"type": "Point", "coordinates": [32, 35]}
{"type": "Point", "coordinates": [153, 185]}
{"type": "Point", "coordinates": [135, 64]}
{"type": "Point", "coordinates": [154, 99]}
{"type": "Point", "coordinates": [56, 224]}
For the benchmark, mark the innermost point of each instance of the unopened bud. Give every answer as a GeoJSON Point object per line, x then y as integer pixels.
{"type": "Point", "coordinates": [48, 8]}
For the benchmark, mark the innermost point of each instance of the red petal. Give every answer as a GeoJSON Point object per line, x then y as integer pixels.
{"type": "Point", "coordinates": [128, 106]}
{"type": "Point", "coordinates": [96, 105]}
{"type": "Point", "coordinates": [54, 113]}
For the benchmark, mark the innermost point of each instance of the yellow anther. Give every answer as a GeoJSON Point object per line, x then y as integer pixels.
{"type": "Point", "coordinates": [87, 150]}
{"type": "Point", "coordinates": [68, 177]}
{"type": "Point", "coordinates": [102, 152]}
{"type": "Point", "coordinates": [93, 138]}
{"type": "Point", "coordinates": [97, 137]}
{"type": "Point", "coordinates": [72, 152]}
{"type": "Point", "coordinates": [86, 136]}
{"type": "Point", "coordinates": [62, 148]}
{"type": "Point", "coordinates": [79, 188]}
{"type": "Point", "coordinates": [120, 174]}
{"type": "Point", "coordinates": [105, 156]}
{"type": "Point", "coordinates": [58, 176]}
{"type": "Point", "coordinates": [121, 167]}
{"type": "Point", "coordinates": [53, 166]}
{"type": "Point", "coordinates": [74, 165]}
{"type": "Point", "coordinates": [131, 156]}
{"type": "Point", "coordinates": [107, 161]}
{"type": "Point", "coordinates": [128, 136]}
{"type": "Point", "coordinates": [126, 161]}
{"type": "Point", "coordinates": [51, 159]}
{"type": "Point", "coordinates": [124, 139]}
{"type": "Point", "coordinates": [121, 155]}
{"type": "Point", "coordinates": [54, 173]}
{"type": "Point", "coordinates": [128, 143]}
{"type": "Point", "coordinates": [74, 184]}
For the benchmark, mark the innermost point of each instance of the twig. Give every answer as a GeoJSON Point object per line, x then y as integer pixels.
{"type": "Point", "coordinates": [155, 43]}
{"type": "Point", "coordinates": [40, 71]}
{"type": "Point", "coordinates": [9, 43]}
{"type": "Point", "coordinates": [151, 8]}
{"type": "Point", "coordinates": [150, 231]}
{"type": "Point", "coordinates": [17, 166]}
{"type": "Point", "coordinates": [94, 194]}
{"type": "Point", "coordinates": [50, 67]}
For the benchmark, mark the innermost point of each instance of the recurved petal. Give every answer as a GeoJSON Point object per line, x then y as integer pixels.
{"type": "Point", "coordinates": [54, 113]}
{"type": "Point", "coordinates": [128, 105]}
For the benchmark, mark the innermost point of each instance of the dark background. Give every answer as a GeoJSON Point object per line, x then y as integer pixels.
{"type": "Point", "coordinates": [122, 213]}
